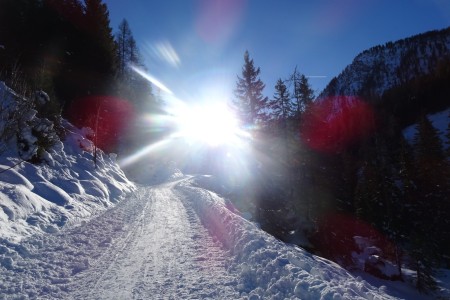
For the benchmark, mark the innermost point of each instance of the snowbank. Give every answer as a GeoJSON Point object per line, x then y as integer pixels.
{"type": "Point", "coordinates": [282, 271]}
{"type": "Point", "coordinates": [64, 189]}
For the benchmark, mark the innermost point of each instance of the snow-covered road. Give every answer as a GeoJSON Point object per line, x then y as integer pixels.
{"type": "Point", "coordinates": [171, 241]}
{"type": "Point", "coordinates": [165, 253]}
{"type": "Point", "coordinates": [150, 246]}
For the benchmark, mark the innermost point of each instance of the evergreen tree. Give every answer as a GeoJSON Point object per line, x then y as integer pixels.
{"type": "Point", "coordinates": [86, 49]}
{"type": "Point", "coordinates": [305, 91]}
{"type": "Point", "coordinates": [281, 106]}
{"type": "Point", "coordinates": [250, 103]}
{"type": "Point", "coordinates": [280, 111]}
{"type": "Point", "coordinates": [407, 177]}
{"type": "Point", "coordinates": [302, 94]}
{"type": "Point", "coordinates": [447, 136]}
{"type": "Point", "coordinates": [428, 144]}
{"type": "Point", "coordinates": [131, 85]}
{"type": "Point", "coordinates": [100, 48]}
{"type": "Point", "coordinates": [430, 207]}
{"type": "Point", "coordinates": [127, 50]}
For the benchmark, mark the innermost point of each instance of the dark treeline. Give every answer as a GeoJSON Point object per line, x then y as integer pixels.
{"type": "Point", "coordinates": [338, 170]}
{"type": "Point", "coordinates": [63, 47]}
{"type": "Point", "coordinates": [67, 49]}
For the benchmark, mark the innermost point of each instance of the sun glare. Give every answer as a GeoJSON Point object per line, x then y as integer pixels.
{"type": "Point", "coordinates": [209, 123]}
{"type": "Point", "coordinates": [213, 125]}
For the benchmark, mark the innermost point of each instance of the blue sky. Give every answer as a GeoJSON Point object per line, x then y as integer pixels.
{"type": "Point", "coordinates": [196, 47]}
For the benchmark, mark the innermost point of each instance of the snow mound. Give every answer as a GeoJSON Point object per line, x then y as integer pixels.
{"type": "Point", "coordinates": [65, 188]}
{"type": "Point", "coordinates": [34, 198]}
{"type": "Point", "coordinates": [282, 271]}
{"type": "Point", "coordinates": [9, 175]}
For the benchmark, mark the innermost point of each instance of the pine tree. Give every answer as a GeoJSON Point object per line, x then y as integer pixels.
{"type": "Point", "coordinates": [127, 50]}
{"type": "Point", "coordinates": [430, 208]}
{"type": "Point", "coordinates": [302, 94]}
{"type": "Point", "coordinates": [280, 111]}
{"type": "Point", "coordinates": [306, 92]}
{"type": "Point", "coordinates": [407, 177]}
{"type": "Point", "coordinates": [122, 38]}
{"type": "Point", "coordinates": [428, 144]}
{"type": "Point", "coordinates": [101, 46]}
{"type": "Point", "coordinates": [131, 85]}
{"type": "Point", "coordinates": [447, 136]}
{"type": "Point", "coordinates": [281, 106]}
{"type": "Point", "coordinates": [250, 103]}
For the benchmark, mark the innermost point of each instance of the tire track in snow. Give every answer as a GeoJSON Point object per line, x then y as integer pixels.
{"type": "Point", "coordinates": [166, 254]}
{"type": "Point", "coordinates": [119, 247]}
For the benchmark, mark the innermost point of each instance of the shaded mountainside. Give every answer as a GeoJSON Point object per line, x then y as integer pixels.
{"type": "Point", "coordinates": [402, 79]}
{"type": "Point", "coordinates": [380, 68]}
{"type": "Point", "coordinates": [397, 188]}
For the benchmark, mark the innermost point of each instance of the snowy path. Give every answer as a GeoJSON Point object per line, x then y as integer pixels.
{"type": "Point", "coordinates": [150, 246]}
{"type": "Point", "coordinates": [166, 252]}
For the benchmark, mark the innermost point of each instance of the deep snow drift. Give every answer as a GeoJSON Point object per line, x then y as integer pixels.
{"type": "Point", "coordinates": [64, 190]}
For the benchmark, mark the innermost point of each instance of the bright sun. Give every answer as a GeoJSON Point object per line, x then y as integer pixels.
{"type": "Point", "coordinates": [213, 125]}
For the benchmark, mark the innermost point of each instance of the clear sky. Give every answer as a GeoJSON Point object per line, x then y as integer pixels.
{"type": "Point", "coordinates": [196, 47]}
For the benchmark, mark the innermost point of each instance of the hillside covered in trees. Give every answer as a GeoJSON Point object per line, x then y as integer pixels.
{"type": "Point", "coordinates": [349, 180]}
{"type": "Point", "coordinates": [68, 49]}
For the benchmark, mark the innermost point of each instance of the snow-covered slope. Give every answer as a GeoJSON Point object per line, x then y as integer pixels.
{"type": "Point", "coordinates": [64, 189]}
{"type": "Point", "coordinates": [382, 67]}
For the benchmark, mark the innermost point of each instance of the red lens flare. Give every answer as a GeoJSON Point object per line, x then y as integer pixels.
{"type": "Point", "coordinates": [335, 123]}
{"type": "Point", "coordinates": [107, 116]}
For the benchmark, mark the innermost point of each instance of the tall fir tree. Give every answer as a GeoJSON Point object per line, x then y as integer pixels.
{"type": "Point", "coordinates": [447, 136]}
{"type": "Point", "coordinates": [430, 208]}
{"type": "Point", "coordinates": [250, 103]}
{"type": "Point", "coordinates": [303, 94]}
{"type": "Point", "coordinates": [127, 50]}
{"type": "Point", "coordinates": [281, 110]}
{"type": "Point", "coordinates": [132, 85]}
{"type": "Point", "coordinates": [281, 107]}
{"type": "Point", "coordinates": [100, 41]}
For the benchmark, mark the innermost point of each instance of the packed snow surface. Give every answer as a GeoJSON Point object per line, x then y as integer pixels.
{"type": "Point", "coordinates": [170, 241]}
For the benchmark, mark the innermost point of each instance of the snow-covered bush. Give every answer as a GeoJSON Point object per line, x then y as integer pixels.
{"type": "Point", "coordinates": [35, 137]}
{"type": "Point", "coordinates": [12, 108]}
{"type": "Point", "coordinates": [23, 126]}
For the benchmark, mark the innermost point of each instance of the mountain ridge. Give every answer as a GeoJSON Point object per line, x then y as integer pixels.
{"type": "Point", "coordinates": [383, 67]}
